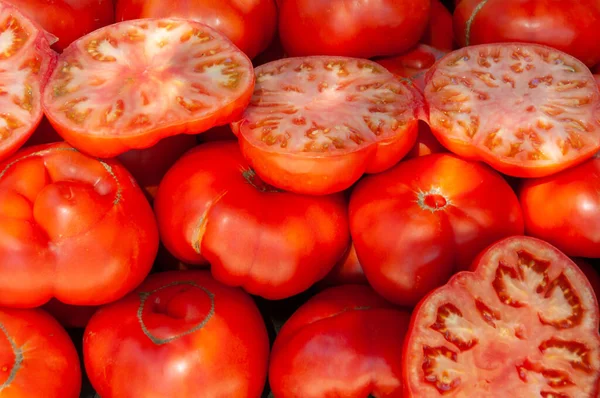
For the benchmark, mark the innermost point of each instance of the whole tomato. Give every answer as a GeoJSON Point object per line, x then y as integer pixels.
{"type": "Point", "coordinates": [567, 25]}
{"type": "Point", "coordinates": [416, 224]}
{"type": "Point", "coordinates": [344, 342]}
{"type": "Point", "coordinates": [37, 357]}
{"type": "Point", "coordinates": [180, 334]}
{"type": "Point", "coordinates": [352, 28]}
{"type": "Point", "coordinates": [439, 33]}
{"type": "Point", "coordinates": [68, 20]}
{"type": "Point", "coordinates": [249, 24]}
{"type": "Point", "coordinates": [72, 227]}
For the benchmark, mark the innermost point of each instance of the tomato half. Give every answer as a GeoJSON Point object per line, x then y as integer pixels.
{"type": "Point", "coordinates": [564, 209]}
{"type": "Point", "coordinates": [37, 357]}
{"type": "Point", "coordinates": [131, 84]}
{"type": "Point", "coordinates": [71, 227]}
{"type": "Point", "coordinates": [439, 33]}
{"type": "Point", "coordinates": [211, 205]}
{"type": "Point", "coordinates": [344, 342]}
{"type": "Point", "coordinates": [567, 25]}
{"type": "Point", "coordinates": [181, 334]}
{"type": "Point", "coordinates": [26, 62]}
{"type": "Point", "coordinates": [249, 24]}
{"type": "Point", "coordinates": [527, 110]}
{"type": "Point", "coordinates": [523, 324]}
{"type": "Point", "coordinates": [315, 125]}
{"type": "Point", "coordinates": [416, 224]}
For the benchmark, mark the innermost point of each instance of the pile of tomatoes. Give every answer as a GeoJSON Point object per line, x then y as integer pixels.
{"type": "Point", "coordinates": [299, 198]}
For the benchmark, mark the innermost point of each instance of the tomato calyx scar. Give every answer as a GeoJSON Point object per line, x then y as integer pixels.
{"type": "Point", "coordinates": [18, 361]}
{"type": "Point", "coordinates": [432, 200]}
{"type": "Point", "coordinates": [253, 179]}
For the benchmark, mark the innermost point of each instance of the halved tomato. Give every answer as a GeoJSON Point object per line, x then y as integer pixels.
{"type": "Point", "coordinates": [523, 324]}
{"type": "Point", "coordinates": [26, 62]}
{"type": "Point", "coordinates": [128, 85]}
{"type": "Point", "coordinates": [315, 125]}
{"type": "Point", "coordinates": [525, 109]}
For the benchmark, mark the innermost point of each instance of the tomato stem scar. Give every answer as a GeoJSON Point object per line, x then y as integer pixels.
{"type": "Point", "coordinates": [18, 352]}
{"type": "Point", "coordinates": [253, 179]}
{"type": "Point", "coordinates": [471, 20]}
{"type": "Point", "coordinates": [432, 200]}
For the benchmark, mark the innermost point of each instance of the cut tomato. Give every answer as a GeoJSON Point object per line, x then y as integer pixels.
{"type": "Point", "coordinates": [525, 109]}
{"type": "Point", "coordinates": [523, 324]}
{"type": "Point", "coordinates": [316, 124]}
{"type": "Point", "coordinates": [128, 85]}
{"type": "Point", "coordinates": [26, 62]}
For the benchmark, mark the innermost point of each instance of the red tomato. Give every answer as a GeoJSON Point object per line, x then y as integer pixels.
{"type": "Point", "coordinates": [523, 324]}
{"type": "Point", "coordinates": [347, 271]}
{"type": "Point", "coordinates": [37, 357]}
{"type": "Point", "coordinates": [426, 143]}
{"type": "Point", "coordinates": [564, 209]}
{"type": "Point", "coordinates": [181, 334]}
{"type": "Point", "coordinates": [211, 205]}
{"type": "Point", "coordinates": [439, 32]}
{"type": "Point", "coordinates": [527, 110]}
{"type": "Point", "coordinates": [351, 28]}
{"type": "Point", "coordinates": [567, 25]}
{"type": "Point", "coordinates": [249, 24]}
{"type": "Point", "coordinates": [414, 225]}
{"type": "Point", "coordinates": [71, 227]}
{"type": "Point", "coordinates": [70, 316]}
{"type": "Point", "coordinates": [344, 342]}
{"type": "Point", "coordinates": [68, 20]}
{"type": "Point", "coordinates": [131, 84]}
{"type": "Point", "coordinates": [315, 125]}
{"type": "Point", "coordinates": [148, 166]}
{"type": "Point", "coordinates": [591, 273]}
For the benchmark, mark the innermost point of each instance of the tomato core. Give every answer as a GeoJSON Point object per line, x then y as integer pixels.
{"type": "Point", "coordinates": [432, 200]}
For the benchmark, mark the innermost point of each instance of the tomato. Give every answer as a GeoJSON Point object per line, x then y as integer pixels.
{"type": "Point", "coordinates": [567, 25]}
{"type": "Point", "coordinates": [347, 271]}
{"type": "Point", "coordinates": [71, 227]}
{"type": "Point", "coordinates": [148, 166]}
{"type": "Point", "coordinates": [351, 28]}
{"type": "Point", "coordinates": [37, 357]}
{"type": "Point", "coordinates": [426, 143]}
{"type": "Point", "coordinates": [439, 32]}
{"type": "Point", "coordinates": [181, 334]}
{"type": "Point", "coordinates": [344, 342]}
{"type": "Point", "coordinates": [315, 125]}
{"type": "Point", "coordinates": [211, 205]}
{"type": "Point", "coordinates": [416, 224]}
{"type": "Point", "coordinates": [564, 209]}
{"type": "Point", "coordinates": [131, 84]}
{"type": "Point", "coordinates": [591, 273]}
{"type": "Point", "coordinates": [523, 324]}
{"type": "Point", "coordinates": [249, 24]}
{"type": "Point", "coordinates": [70, 316]}
{"type": "Point", "coordinates": [527, 110]}
{"type": "Point", "coordinates": [68, 20]}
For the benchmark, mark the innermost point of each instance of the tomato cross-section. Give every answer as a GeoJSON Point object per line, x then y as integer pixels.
{"type": "Point", "coordinates": [130, 84]}
{"type": "Point", "coordinates": [525, 109]}
{"type": "Point", "coordinates": [524, 323]}
{"type": "Point", "coordinates": [316, 124]}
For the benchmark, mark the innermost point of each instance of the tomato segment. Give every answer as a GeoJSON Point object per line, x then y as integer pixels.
{"type": "Point", "coordinates": [525, 109]}
{"type": "Point", "coordinates": [316, 124]}
{"type": "Point", "coordinates": [524, 323]}
{"type": "Point", "coordinates": [130, 84]}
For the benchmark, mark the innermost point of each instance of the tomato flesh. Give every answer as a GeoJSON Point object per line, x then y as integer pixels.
{"type": "Point", "coordinates": [525, 109]}
{"type": "Point", "coordinates": [524, 323]}
{"type": "Point", "coordinates": [130, 84]}
{"type": "Point", "coordinates": [316, 124]}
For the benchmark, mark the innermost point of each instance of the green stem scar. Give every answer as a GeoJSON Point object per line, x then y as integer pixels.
{"type": "Point", "coordinates": [470, 22]}
{"type": "Point", "coordinates": [18, 352]}
{"type": "Point", "coordinates": [144, 298]}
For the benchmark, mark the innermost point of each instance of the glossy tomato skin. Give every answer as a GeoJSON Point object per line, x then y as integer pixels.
{"type": "Point", "coordinates": [68, 20]}
{"type": "Point", "coordinates": [416, 224]}
{"type": "Point", "coordinates": [250, 25]}
{"type": "Point", "coordinates": [211, 205]}
{"type": "Point", "coordinates": [564, 209]}
{"type": "Point", "coordinates": [352, 28]}
{"type": "Point", "coordinates": [37, 356]}
{"type": "Point", "coordinates": [72, 227]}
{"type": "Point", "coordinates": [439, 32]}
{"type": "Point", "coordinates": [344, 342]}
{"type": "Point", "coordinates": [178, 334]}
{"type": "Point", "coordinates": [569, 26]}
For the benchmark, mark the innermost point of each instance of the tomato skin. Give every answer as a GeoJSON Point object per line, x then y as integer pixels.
{"type": "Point", "coordinates": [212, 206]}
{"type": "Point", "coordinates": [564, 209]}
{"type": "Point", "coordinates": [57, 207]}
{"type": "Point", "coordinates": [70, 316]}
{"type": "Point", "coordinates": [439, 32]}
{"type": "Point", "coordinates": [352, 28]}
{"type": "Point", "coordinates": [250, 25]}
{"type": "Point", "coordinates": [198, 335]}
{"type": "Point", "coordinates": [569, 26]}
{"type": "Point", "coordinates": [416, 224]}
{"type": "Point", "coordinates": [49, 364]}
{"type": "Point", "coordinates": [344, 342]}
